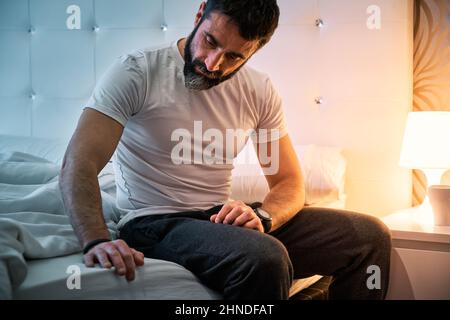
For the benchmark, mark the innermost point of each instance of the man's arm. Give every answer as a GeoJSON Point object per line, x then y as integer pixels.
{"type": "Point", "coordinates": [287, 192]}
{"type": "Point", "coordinates": [90, 148]}
{"type": "Point", "coordinates": [287, 189]}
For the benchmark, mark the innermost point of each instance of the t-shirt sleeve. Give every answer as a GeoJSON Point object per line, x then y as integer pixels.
{"type": "Point", "coordinates": [272, 121]}
{"type": "Point", "coordinates": [120, 93]}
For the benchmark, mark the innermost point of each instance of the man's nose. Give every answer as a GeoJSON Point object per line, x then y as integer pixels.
{"type": "Point", "coordinates": [214, 61]}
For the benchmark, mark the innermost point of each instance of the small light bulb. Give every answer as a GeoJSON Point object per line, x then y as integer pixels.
{"type": "Point", "coordinates": [319, 100]}
{"type": "Point", "coordinates": [319, 23]}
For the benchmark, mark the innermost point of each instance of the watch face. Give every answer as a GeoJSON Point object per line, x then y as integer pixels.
{"type": "Point", "coordinates": [264, 214]}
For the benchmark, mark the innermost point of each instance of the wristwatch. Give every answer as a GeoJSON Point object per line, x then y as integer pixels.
{"type": "Point", "coordinates": [264, 216]}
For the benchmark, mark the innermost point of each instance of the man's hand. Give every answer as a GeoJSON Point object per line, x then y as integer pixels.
{"type": "Point", "coordinates": [118, 254]}
{"type": "Point", "coordinates": [237, 213]}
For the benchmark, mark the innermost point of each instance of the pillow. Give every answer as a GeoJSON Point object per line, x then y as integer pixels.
{"type": "Point", "coordinates": [51, 150]}
{"type": "Point", "coordinates": [323, 169]}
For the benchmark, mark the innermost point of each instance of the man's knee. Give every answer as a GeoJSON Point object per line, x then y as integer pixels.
{"type": "Point", "coordinates": [266, 271]}
{"type": "Point", "coordinates": [373, 232]}
{"type": "Point", "coordinates": [270, 256]}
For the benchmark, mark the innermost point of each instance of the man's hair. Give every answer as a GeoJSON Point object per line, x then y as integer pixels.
{"type": "Point", "coordinates": [256, 19]}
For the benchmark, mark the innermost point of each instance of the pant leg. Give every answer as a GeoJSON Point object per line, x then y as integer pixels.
{"type": "Point", "coordinates": [341, 244]}
{"type": "Point", "coordinates": [240, 263]}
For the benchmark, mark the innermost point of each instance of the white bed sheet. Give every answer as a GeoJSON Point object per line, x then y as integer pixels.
{"type": "Point", "coordinates": [156, 280]}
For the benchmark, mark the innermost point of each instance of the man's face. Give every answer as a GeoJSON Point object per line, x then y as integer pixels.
{"type": "Point", "coordinates": [215, 52]}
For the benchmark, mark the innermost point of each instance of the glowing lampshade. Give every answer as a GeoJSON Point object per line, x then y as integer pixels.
{"type": "Point", "coordinates": [426, 144]}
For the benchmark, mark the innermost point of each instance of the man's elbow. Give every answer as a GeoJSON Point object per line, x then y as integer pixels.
{"type": "Point", "coordinates": [301, 196]}
{"type": "Point", "coordinates": [72, 166]}
{"type": "Point", "coordinates": [66, 167]}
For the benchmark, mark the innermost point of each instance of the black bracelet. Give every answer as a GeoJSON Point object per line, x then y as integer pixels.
{"type": "Point", "coordinates": [93, 243]}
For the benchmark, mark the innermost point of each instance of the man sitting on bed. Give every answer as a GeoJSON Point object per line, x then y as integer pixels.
{"type": "Point", "coordinates": [151, 102]}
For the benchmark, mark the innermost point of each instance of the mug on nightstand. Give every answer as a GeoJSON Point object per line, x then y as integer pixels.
{"type": "Point", "coordinates": [440, 202]}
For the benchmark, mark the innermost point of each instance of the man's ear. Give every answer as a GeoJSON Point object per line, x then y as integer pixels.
{"type": "Point", "coordinates": [199, 15]}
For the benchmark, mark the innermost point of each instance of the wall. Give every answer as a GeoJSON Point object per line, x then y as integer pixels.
{"type": "Point", "coordinates": [346, 83]}
{"type": "Point", "coordinates": [364, 77]}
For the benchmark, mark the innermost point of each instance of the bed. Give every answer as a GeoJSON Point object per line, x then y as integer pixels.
{"type": "Point", "coordinates": [39, 253]}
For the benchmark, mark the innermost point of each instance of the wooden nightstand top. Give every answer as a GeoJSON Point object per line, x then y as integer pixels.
{"type": "Point", "coordinates": [416, 224]}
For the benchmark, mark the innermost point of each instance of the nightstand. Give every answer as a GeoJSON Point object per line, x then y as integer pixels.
{"type": "Point", "coordinates": [420, 260]}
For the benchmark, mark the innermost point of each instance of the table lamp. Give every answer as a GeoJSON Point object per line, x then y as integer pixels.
{"type": "Point", "coordinates": [426, 146]}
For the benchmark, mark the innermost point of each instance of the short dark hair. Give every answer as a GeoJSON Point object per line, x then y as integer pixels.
{"type": "Point", "coordinates": [256, 19]}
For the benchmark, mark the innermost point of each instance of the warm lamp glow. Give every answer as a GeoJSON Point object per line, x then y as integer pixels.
{"type": "Point", "coordinates": [426, 144]}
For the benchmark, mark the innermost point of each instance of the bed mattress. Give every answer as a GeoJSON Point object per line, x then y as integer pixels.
{"type": "Point", "coordinates": [156, 280]}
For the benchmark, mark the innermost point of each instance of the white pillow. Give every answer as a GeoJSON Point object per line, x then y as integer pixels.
{"type": "Point", "coordinates": [323, 170]}
{"type": "Point", "coordinates": [52, 150]}
{"type": "Point", "coordinates": [49, 149]}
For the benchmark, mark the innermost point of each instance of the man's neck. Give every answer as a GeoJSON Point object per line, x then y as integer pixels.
{"type": "Point", "coordinates": [181, 45]}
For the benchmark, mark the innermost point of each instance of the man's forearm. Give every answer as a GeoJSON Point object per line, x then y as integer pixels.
{"type": "Point", "coordinates": [82, 200]}
{"type": "Point", "coordinates": [284, 201]}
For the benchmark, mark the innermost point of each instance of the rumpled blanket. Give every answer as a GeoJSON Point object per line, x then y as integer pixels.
{"type": "Point", "coordinates": [33, 223]}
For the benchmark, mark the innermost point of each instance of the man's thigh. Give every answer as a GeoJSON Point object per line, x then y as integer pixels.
{"type": "Point", "coordinates": [322, 241]}
{"type": "Point", "coordinates": [214, 252]}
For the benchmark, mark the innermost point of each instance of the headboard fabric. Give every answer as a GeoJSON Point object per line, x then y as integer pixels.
{"type": "Point", "coordinates": [343, 68]}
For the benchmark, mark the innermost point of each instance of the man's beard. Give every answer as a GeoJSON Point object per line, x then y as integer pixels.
{"type": "Point", "coordinates": [194, 80]}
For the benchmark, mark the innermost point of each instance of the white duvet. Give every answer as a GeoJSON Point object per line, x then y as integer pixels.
{"type": "Point", "coordinates": [32, 220]}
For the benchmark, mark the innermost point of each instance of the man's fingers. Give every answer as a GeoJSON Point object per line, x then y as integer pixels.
{"type": "Point", "coordinates": [233, 215]}
{"type": "Point", "coordinates": [102, 258]}
{"type": "Point", "coordinates": [128, 259]}
{"type": "Point", "coordinates": [245, 217]}
{"type": "Point", "coordinates": [254, 224]}
{"type": "Point", "coordinates": [116, 259]}
{"type": "Point", "coordinates": [118, 254]}
{"type": "Point", "coordinates": [89, 260]}
{"type": "Point", "coordinates": [223, 213]}
{"type": "Point", "coordinates": [138, 257]}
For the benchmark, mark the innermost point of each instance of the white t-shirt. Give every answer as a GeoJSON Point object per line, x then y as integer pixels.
{"type": "Point", "coordinates": [161, 162]}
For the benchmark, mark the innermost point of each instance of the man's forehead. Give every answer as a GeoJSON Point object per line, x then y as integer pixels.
{"type": "Point", "coordinates": [226, 32]}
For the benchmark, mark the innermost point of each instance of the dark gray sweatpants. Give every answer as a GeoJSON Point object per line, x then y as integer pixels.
{"type": "Point", "coordinates": [246, 264]}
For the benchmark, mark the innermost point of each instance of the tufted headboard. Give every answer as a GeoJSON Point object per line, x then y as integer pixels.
{"type": "Point", "coordinates": [53, 51]}
{"type": "Point", "coordinates": [343, 68]}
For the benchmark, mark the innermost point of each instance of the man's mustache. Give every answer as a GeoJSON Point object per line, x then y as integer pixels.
{"type": "Point", "coordinates": [202, 67]}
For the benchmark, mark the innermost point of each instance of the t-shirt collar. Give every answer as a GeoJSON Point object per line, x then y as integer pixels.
{"type": "Point", "coordinates": [178, 57]}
